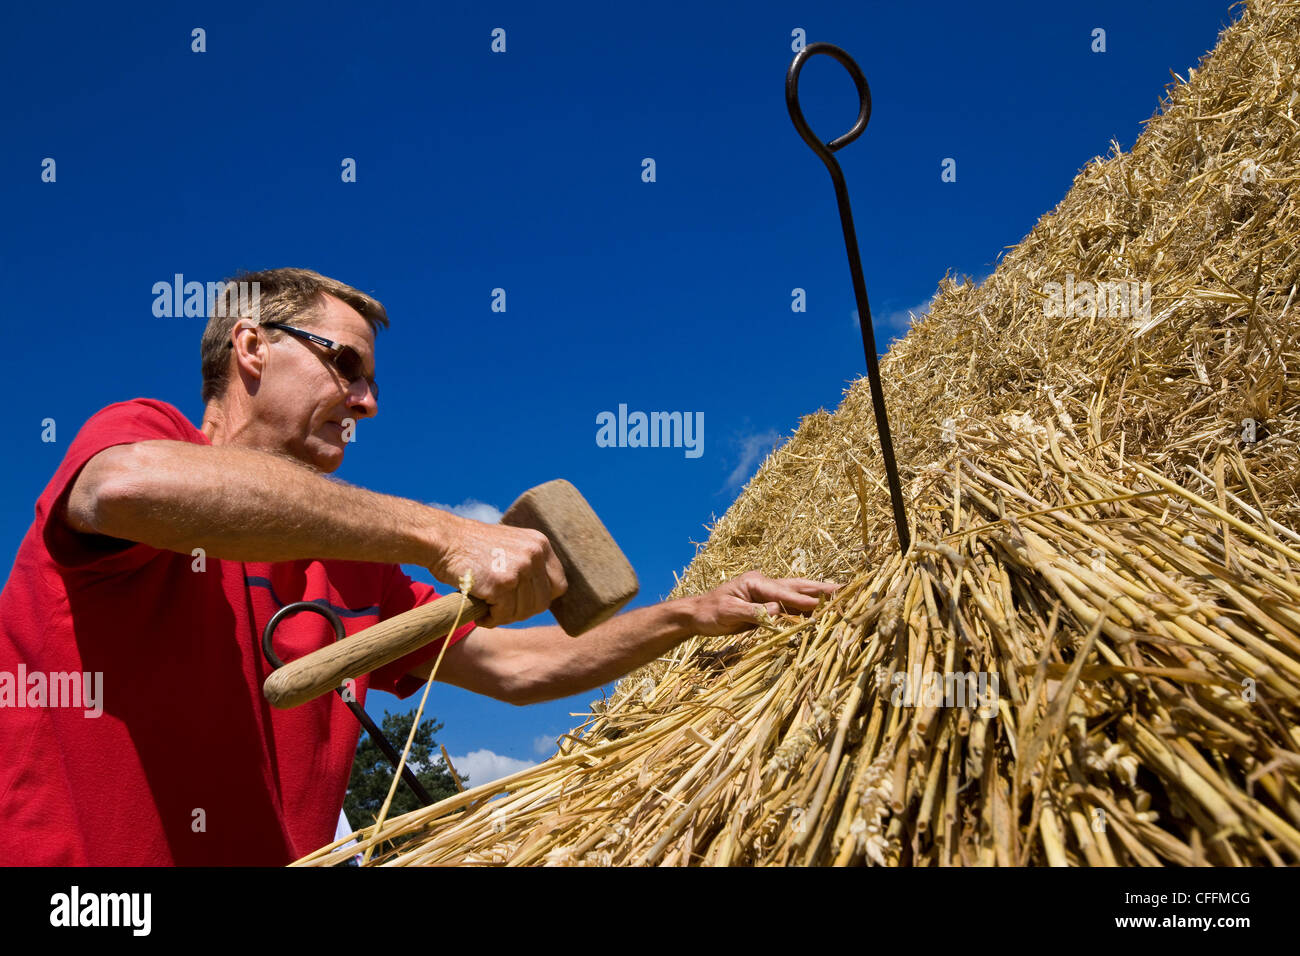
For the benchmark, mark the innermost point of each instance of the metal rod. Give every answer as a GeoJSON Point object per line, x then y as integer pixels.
{"type": "Point", "coordinates": [824, 152]}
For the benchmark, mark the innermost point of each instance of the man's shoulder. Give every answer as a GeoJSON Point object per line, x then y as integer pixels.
{"type": "Point", "coordinates": [137, 409]}
{"type": "Point", "coordinates": [138, 419]}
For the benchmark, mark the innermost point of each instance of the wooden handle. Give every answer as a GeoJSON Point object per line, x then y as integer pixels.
{"type": "Point", "coordinates": [321, 671]}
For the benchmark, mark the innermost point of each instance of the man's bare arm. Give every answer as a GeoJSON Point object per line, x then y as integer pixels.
{"type": "Point", "coordinates": [528, 665]}
{"type": "Point", "coordinates": [246, 505]}
{"type": "Point", "coordinates": [534, 664]}
{"type": "Point", "coordinates": [243, 505]}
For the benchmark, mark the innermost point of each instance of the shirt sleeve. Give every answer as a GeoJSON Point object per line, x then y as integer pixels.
{"type": "Point", "coordinates": [122, 423]}
{"type": "Point", "coordinates": [402, 594]}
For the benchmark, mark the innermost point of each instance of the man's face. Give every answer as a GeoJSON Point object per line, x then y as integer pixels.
{"type": "Point", "coordinates": [302, 400]}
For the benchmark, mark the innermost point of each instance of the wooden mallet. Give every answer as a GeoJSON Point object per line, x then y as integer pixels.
{"type": "Point", "coordinates": [600, 580]}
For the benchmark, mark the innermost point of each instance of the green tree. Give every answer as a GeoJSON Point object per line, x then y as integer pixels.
{"type": "Point", "coordinates": [372, 774]}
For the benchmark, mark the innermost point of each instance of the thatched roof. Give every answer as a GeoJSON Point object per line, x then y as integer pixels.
{"type": "Point", "coordinates": [1105, 509]}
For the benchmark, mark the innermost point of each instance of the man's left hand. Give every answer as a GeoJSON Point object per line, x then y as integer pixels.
{"type": "Point", "coordinates": [732, 607]}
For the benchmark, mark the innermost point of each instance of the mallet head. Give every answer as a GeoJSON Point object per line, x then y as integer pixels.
{"type": "Point", "coordinates": [601, 579]}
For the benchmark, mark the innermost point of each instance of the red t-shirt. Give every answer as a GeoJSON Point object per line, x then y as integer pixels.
{"type": "Point", "coordinates": [186, 763]}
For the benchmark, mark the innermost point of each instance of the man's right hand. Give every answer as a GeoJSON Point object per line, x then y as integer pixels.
{"type": "Point", "coordinates": [515, 570]}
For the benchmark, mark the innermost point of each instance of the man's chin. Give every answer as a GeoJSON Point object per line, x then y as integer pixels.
{"type": "Point", "coordinates": [330, 461]}
{"type": "Point", "coordinates": [324, 456]}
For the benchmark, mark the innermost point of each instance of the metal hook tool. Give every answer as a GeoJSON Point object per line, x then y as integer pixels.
{"type": "Point", "coordinates": [268, 651]}
{"type": "Point", "coordinates": [851, 244]}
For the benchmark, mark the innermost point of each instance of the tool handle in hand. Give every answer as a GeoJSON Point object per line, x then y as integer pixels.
{"type": "Point", "coordinates": [322, 670]}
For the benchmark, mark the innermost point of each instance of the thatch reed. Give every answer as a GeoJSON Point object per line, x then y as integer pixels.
{"type": "Point", "coordinates": [1105, 510]}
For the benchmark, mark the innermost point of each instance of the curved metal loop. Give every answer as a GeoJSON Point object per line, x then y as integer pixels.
{"type": "Point", "coordinates": [289, 610]}
{"type": "Point", "coordinates": [377, 735]}
{"type": "Point", "coordinates": [851, 248]}
{"type": "Point", "coordinates": [796, 113]}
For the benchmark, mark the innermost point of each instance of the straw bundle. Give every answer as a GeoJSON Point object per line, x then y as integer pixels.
{"type": "Point", "coordinates": [1091, 654]}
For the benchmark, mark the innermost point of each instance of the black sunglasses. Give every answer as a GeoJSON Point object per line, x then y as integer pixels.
{"type": "Point", "coordinates": [345, 358]}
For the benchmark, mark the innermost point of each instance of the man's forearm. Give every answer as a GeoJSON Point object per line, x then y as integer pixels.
{"type": "Point", "coordinates": [534, 664]}
{"type": "Point", "coordinates": [247, 505]}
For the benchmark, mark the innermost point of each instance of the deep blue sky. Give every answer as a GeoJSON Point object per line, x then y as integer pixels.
{"type": "Point", "coordinates": [522, 170]}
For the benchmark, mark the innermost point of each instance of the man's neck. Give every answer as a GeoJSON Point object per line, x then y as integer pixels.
{"type": "Point", "coordinates": [213, 423]}
{"type": "Point", "coordinates": [225, 426]}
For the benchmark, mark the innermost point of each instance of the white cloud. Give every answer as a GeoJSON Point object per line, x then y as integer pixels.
{"type": "Point", "coordinates": [484, 766]}
{"type": "Point", "coordinates": [900, 321]}
{"type": "Point", "coordinates": [545, 746]}
{"type": "Point", "coordinates": [753, 448]}
{"type": "Point", "coordinates": [473, 509]}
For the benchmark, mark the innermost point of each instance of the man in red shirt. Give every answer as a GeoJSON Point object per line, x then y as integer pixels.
{"type": "Point", "coordinates": [133, 729]}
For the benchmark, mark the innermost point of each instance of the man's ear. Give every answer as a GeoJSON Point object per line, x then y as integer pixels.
{"type": "Point", "coordinates": [250, 353]}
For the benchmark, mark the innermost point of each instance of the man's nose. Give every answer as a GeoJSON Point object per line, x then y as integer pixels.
{"type": "Point", "coordinates": [361, 399]}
